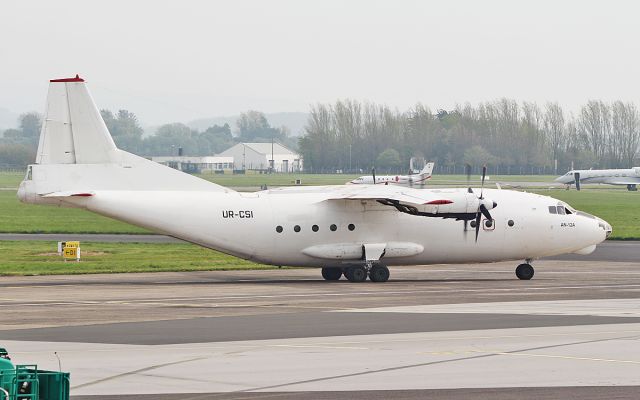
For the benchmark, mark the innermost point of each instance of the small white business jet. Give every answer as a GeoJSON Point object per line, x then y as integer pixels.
{"type": "Point", "coordinates": [629, 177]}
{"type": "Point", "coordinates": [351, 230]}
{"type": "Point", "coordinates": [406, 180]}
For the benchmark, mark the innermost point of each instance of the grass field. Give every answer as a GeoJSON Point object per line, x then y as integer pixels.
{"type": "Point", "coordinates": [40, 258]}
{"type": "Point", "coordinates": [16, 217]}
{"type": "Point", "coordinates": [11, 180]}
{"type": "Point", "coordinates": [618, 206]}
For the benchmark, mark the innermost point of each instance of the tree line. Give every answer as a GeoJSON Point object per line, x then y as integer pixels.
{"type": "Point", "coordinates": [509, 136]}
{"type": "Point", "coordinates": [18, 146]}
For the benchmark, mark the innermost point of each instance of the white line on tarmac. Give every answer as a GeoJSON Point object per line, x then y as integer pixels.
{"type": "Point", "coordinates": [569, 357]}
{"type": "Point", "coordinates": [320, 294]}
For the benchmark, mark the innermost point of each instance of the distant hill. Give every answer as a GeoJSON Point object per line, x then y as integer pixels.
{"type": "Point", "coordinates": [295, 121]}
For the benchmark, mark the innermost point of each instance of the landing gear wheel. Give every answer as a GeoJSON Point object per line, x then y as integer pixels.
{"type": "Point", "coordinates": [356, 273]}
{"type": "Point", "coordinates": [524, 272]}
{"type": "Point", "coordinates": [379, 273]}
{"type": "Point", "coordinates": [331, 274]}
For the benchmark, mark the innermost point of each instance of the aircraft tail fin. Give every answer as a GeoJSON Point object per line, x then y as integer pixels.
{"type": "Point", "coordinates": [77, 157]}
{"type": "Point", "coordinates": [73, 131]}
{"type": "Point", "coordinates": [427, 170]}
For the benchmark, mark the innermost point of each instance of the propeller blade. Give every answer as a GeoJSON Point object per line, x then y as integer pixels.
{"type": "Point", "coordinates": [373, 172]}
{"type": "Point", "coordinates": [485, 212]}
{"type": "Point", "coordinates": [576, 177]}
{"type": "Point", "coordinates": [484, 174]}
{"type": "Point", "coordinates": [478, 216]}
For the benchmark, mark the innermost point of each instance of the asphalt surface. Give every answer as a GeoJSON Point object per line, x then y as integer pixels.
{"type": "Point", "coordinates": [442, 332]}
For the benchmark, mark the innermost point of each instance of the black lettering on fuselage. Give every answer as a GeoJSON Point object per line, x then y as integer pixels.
{"type": "Point", "coordinates": [239, 214]}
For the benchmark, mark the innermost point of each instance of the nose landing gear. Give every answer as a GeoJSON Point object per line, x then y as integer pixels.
{"type": "Point", "coordinates": [524, 271]}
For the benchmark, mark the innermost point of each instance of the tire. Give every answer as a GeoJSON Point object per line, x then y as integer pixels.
{"type": "Point", "coordinates": [525, 272]}
{"type": "Point", "coordinates": [379, 273]}
{"type": "Point", "coordinates": [331, 274]}
{"type": "Point", "coordinates": [356, 274]}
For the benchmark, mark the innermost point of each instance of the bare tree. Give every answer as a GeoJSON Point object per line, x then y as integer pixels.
{"type": "Point", "coordinates": [554, 130]}
{"type": "Point", "coordinates": [625, 133]}
{"type": "Point", "coordinates": [595, 126]}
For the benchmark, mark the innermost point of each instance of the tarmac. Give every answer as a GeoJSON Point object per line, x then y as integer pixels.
{"type": "Point", "coordinates": [439, 331]}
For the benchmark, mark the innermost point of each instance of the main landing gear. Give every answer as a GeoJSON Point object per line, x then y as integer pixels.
{"type": "Point", "coordinates": [357, 273]}
{"type": "Point", "coordinates": [524, 271]}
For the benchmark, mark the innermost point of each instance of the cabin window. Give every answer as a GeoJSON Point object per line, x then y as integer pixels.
{"type": "Point", "coordinates": [473, 224]}
{"type": "Point", "coordinates": [510, 222]}
{"type": "Point", "coordinates": [553, 210]}
{"type": "Point", "coordinates": [488, 223]}
{"type": "Point", "coordinates": [315, 228]}
{"type": "Point", "coordinates": [279, 229]}
{"type": "Point", "coordinates": [333, 227]}
{"type": "Point", "coordinates": [351, 227]}
{"type": "Point", "coordinates": [296, 228]}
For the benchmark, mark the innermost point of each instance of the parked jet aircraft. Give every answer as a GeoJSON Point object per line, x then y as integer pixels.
{"type": "Point", "coordinates": [410, 180]}
{"type": "Point", "coordinates": [351, 230]}
{"type": "Point", "coordinates": [629, 177]}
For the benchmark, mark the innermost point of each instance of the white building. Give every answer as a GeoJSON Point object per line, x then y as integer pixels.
{"type": "Point", "coordinates": [196, 164]}
{"type": "Point", "coordinates": [258, 156]}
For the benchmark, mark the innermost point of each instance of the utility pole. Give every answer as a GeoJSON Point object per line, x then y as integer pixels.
{"type": "Point", "coordinates": [273, 162]}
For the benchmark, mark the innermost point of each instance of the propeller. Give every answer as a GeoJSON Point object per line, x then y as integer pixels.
{"type": "Point", "coordinates": [482, 208]}
{"type": "Point", "coordinates": [373, 172]}
{"type": "Point", "coordinates": [576, 177]}
{"type": "Point", "coordinates": [467, 171]}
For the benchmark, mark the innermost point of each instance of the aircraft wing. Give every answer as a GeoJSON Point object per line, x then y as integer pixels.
{"type": "Point", "coordinates": [458, 204]}
{"type": "Point", "coordinates": [414, 197]}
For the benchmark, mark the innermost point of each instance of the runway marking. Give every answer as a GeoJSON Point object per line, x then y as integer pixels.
{"type": "Point", "coordinates": [488, 291]}
{"type": "Point", "coordinates": [600, 307]}
{"type": "Point", "coordinates": [319, 346]}
{"type": "Point", "coordinates": [568, 357]}
{"type": "Point", "coordinates": [108, 378]}
{"type": "Point", "coordinates": [424, 364]}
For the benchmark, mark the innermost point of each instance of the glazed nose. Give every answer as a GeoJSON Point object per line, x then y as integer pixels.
{"type": "Point", "coordinates": [606, 226]}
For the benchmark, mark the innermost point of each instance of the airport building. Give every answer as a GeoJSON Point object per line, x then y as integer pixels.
{"type": "Point", "coordinates": [205, 164]}
{"type": "Point", "coordinates": [263, 156]}
{"type": "Point", "coordinates": [242, 156]}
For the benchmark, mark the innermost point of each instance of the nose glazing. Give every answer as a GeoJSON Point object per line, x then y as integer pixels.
{"type": "Point", "coordinates": [606, 226]}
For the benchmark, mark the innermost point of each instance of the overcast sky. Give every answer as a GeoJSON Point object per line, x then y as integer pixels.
{"type": "Point", "coordinates": [181, 60]}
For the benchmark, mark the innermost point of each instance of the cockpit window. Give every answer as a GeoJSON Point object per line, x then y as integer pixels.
{"type": "Point", "coordinates": [561, 210]}
{"type": "Point", "coordinates": [29, 174]}
{"type": "Point", "coordinates": [553, 210]}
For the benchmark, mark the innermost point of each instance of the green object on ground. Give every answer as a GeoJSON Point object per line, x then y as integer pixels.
{"type": "Point", "coordinates": [27, 382]}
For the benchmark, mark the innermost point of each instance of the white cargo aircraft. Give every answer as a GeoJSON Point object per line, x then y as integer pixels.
{"type": "Point", "coordinates": [407, 180]}
{"type": "Point", "coordinates": [629, 177]}
{"type": "Point", "coordinates": [351, 230]}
